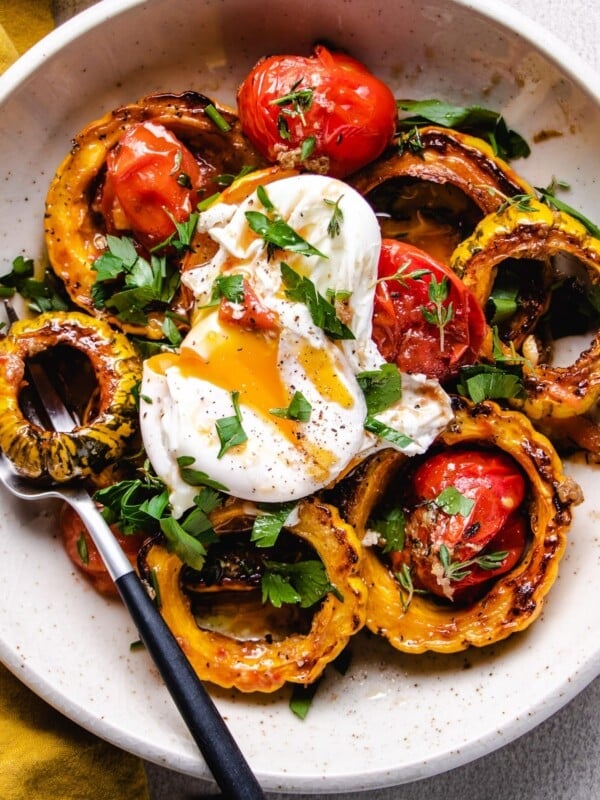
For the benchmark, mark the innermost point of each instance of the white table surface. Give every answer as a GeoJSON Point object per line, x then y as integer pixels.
{"type": "Point", "coordinates": [560, 759]}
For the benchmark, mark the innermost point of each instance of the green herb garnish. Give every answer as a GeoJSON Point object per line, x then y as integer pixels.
{"type": "Point", "coordinates": [452, 502]}
{"type": "Point", "coordinates": [489, 382]}
{"type": "Point", "coordinates": [299, 409]}
{"type": "Point", "coordinates": [441, 314]}
{"type": "Point", "coordinates": [337, 217]}
{"type": "Point", "coordinates": [474, 119]}
{"type": "Point", "coordinates": [384, 431]}
{"type": "Point", "coordinates": [381, 387]}
{"type": "Point", "coordinates": [82, 549]}
{"type": "Point", "coordinates": [457, 570]}
{"type": "Point", "coordinates": [46, 294]}
{"type": "Point", "coordinates": [217, 118]}
{"type": "Point", "coordinates": [275, 231]}
{"type": "Point", "coordinates": [391, 526]}
{"type": "Point", "coordinates": [269, 522]}
{"type": "Point", "coordinates": [147, 284]}
{"type": "Point", "coordinates": [229, 429]}
{"type": "Point", "coordinates": [303, 583]}
{"type": "Point", "coordinates": [323, 314]}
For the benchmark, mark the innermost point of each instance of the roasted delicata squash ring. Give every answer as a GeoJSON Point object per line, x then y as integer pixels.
{"type": "Point", "coordinates": [264, 666]}
{"type": "Point", "coordinates": [516, 598]}
{"type": "Point", "coordinates": [537, 232]}
{"type": "Point", "coordinates": [75, 235]}
{"type": "Point", "coordinates": [90, 447]}
{"type": "Point", "coordinates": [477, 180]}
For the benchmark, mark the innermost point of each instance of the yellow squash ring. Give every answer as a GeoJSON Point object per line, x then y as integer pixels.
{"type": "Point", "coordinates": [261, 666]}
{"type": "Point", "coordinates": [516, 599]}
{"type": "Point", "coordinates": [448, 156]}
{"type": "Point", "coordinates": [536, 232]}
{"type": "Point", "coordinates": [75, 236]}
{"type": "Point", "coordinates": [89, 448]}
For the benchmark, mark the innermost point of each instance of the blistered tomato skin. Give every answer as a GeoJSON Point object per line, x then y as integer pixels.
{"type": "Point", "coordinates": [404, 316]}
{"type": "Point", "coordinates": [496, 487]}
{"type": "Point", "coordinates": [151, 180]}
{"type": "Point", "coordinates": [329, 101]}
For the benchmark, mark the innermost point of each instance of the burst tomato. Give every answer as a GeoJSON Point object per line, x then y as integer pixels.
{"type": "Point", "coordinates": [85, 556]}
{"type": "Point", "coordinates": [418, 333]}
{"type": "Point", "coordinates": [151, 180]}
{"type": "Point", "coordinates": [494, 488]}
{"type": "Point", "coordinates": [327, 107]}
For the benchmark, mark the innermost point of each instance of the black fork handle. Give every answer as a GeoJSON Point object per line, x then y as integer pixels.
{"type": "Point", "coordinates": [223, 756]}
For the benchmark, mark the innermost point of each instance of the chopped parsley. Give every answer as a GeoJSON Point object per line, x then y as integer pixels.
{"type": "Point", "coordinates": [275, 231]}
{"type": "Point", "coordinates": [298, 410]}
{"type": "Point", "coordinates": [391, 526]}
{"type": "Point", "coordinates": [381, 387]}
{"type": "Point", "coordinates": [46, 294]}
{"type": "Point", "coordinates": [323, 314]}
{"type": "Point", "coordinates": [269, 522]}
{"type": "Point", "coordinates": [452, 502]}
{"type": "Point", "coordinates": [303, 583]}
{"type": "Point", "coordinates": [229, 429]}
{"type": "Point", "coordinates": [147, 284]}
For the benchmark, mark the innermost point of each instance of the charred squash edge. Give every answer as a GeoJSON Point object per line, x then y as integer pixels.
{"type": "Point", "coordinates": [90, 447]}
{"type": "Point", "coordinates": [536, 233]}
{"type": "Point", "coordinates": [516, 599]}
{"type": "Point", "coordinates": [74, 238]}
{"type": "Point", "coordinates": [448, 156]}
{"type": "Point", "coordinates": [262, 666]}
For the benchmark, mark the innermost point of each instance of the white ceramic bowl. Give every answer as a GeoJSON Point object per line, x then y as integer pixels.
{"type": "Point", "coordinates": [393, 718]}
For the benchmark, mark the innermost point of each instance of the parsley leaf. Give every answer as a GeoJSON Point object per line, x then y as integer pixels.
{"type": "Point", "coordinates": [488, 382]}
{"type": "Point", "coordinates": [381, 387]}
{"type": "Point", "coordinates": [302, 697]}
{"type": "Point", "coordinates": [279, 235]}
{"type": "Point", "coordinates": [474, 119]}
{"type": "Point", "coordinates": [189, 549]}
{"type": "Point", "coordinates": [392, 528]}
{"type": "Point", "coordinates": [229, 429]}
{"type": "Point", "coordinates": [374, 425]}
{"type": "Point", "coordinates": [230, 287]}
{"type": "Point", "coordinates": [146, 284]}
{"type": "Point", "coordinates": [195, 477]}
{"type": "Point", "coordinates": [268, 524]}
{"type": "Point", "coordinates": [452, 502]}
{"type": "Point", "coordinates": [275, 231]}
{"type": "Point", "coordinates": [46, 294]}
{"type": "Point", "coordinates": [299, 409]}
{"type": "Point", "coordinates": [323, 314]}
{"type": "Point", "coordinates": [304, 582]}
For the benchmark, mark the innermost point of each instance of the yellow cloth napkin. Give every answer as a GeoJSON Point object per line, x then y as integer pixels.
{"type": "Point", "coordinates": [44, 756]}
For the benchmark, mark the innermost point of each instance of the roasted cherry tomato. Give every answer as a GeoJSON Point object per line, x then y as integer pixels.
{"type": "Point", "coordinates": [85, 556]}
{"type": "Point", "coordinates": [326, 110]}
{"type": "Point", "coordinates": [425, 320]}
{"type": "Point", "coordinates": [465, 524]}
{"type": "Point", "coordinates": [249, 313]}
{"type": "Point", "coordinates": [151, 180]}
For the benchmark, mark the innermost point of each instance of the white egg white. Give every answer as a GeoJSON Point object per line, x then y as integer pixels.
{"type": "Point", "coordinates": [281, 462]}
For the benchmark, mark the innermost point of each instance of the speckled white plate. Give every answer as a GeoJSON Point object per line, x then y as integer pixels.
{"type": "Point", "coordinates": [393, 718]}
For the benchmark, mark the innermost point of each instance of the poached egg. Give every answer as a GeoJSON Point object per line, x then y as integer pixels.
{"type": "Point", "coordinates": [246, 375]}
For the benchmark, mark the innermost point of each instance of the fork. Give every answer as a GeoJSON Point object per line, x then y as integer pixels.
{"type": "Point", "coordinates": [216, 743]}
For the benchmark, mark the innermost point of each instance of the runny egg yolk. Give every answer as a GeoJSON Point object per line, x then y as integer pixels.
{"type": "Point", "coordinates": [239, 360]}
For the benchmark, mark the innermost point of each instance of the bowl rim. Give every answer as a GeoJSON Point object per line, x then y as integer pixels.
{"type": "Point", "coordinates": [543, 40]}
